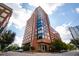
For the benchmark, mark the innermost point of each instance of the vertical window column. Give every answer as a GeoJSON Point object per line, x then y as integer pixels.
{"type": "Point", "coordinates": [40, 33]}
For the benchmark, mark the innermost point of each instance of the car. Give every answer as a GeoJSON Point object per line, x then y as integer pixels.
{"type": "Point", "coordinates": [20, 50]}
{"type": "Point", "coordinates": [62, 51]}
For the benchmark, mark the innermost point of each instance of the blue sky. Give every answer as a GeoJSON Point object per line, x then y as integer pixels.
{"type": "Point", "coordinates": [61, 16]}
{"type": "Point", "coordinates": [65, 14]}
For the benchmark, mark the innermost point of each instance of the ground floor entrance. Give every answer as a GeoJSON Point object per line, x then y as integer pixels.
{"type": "Point", "coordinates": [43, 47]}
{"type": "Point", "coordinates": [40, 47]}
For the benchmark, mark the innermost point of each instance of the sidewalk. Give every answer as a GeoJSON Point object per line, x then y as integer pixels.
{"type": "Point", "coordinates": [1, 53]}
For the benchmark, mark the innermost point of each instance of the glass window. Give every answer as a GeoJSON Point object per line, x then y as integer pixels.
{"type": "Point", "coordinates": [39, 28]}
{"type": "Point", "coordinates": [39, 37]}
{"type": "Point", "coordinates": [4, 14]}
{"type": "Point", "coordinates": [1, 19]}
{"type": "Point", "coordinates": [40, 34]}
{"type": "Point", "coordinates": [39, 21]}
{"type": "Point", "coordinates": [40, 31]}
{"type": "Point", "coordinates": [7, 11]}
{"type": "Point", "coordinates": [1, 8]}
{"type": "Point", "coordinates": [39, 25]}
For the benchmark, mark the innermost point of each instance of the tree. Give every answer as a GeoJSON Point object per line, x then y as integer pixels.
{"type": "Point", "coordinates": [26, 47]}
{"type": "Point", "coordinates": [71, 46]}
{"type": "Point", "coordinates": [6, 38]}
{"type": "Point", "coordinates": [57, 45]}
{"type": "Point", "coordinates": [13, 47]}
{"type": "Point", "coordinates": [75, 42]}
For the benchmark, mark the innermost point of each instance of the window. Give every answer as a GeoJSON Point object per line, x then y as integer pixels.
{"type": "Point", "coordinates": [40, 34]}
{"type": "Point", "coordinates": [1, 8]}
{"type": "Point", "coordinates": [39, 37]}
{"type": "Point", "coordinates": [40, 31]}
{"type": "Point", "coordinates": [39, 25]}
{"type": "Point", "coordinates": [4, 14]}
{"type": "Point", "coordinates": [1, 19]}
{"type": "Point", "coordinates": [43, 47]}
{"type": "Point", "coordinates": [40, 28]}
{"type": "Point", "coordinates": [39, 22]}
{"type": "Point", "coordinates": [7, 11]}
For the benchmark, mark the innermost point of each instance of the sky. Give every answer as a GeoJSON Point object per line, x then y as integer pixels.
{"type": "Point", "coordinates": [61, 16]}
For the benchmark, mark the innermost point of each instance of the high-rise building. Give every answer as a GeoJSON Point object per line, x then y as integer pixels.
{"type": "Point", "coordinates": [5, 14]}
{"type": "Point", "coordinates": [38, 32]}
{"type": "Point", "coordinates": [74, 32]}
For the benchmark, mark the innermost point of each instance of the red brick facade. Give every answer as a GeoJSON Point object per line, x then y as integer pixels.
{"type": "Point", "coordinates": [5, 14]}
{"type": "Point", "coordinates": [38, 32]}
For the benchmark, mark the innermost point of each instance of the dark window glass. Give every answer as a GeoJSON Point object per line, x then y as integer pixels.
{"type": "Point", "coordinates": [39, 28]}
{"type": "Point", "coordinates": [40, 37]}
{"type": "Point", "coordinates": [40, 25]}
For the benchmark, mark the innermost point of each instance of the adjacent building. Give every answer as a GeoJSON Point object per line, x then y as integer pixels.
{"type": "Point", "coordinates": [74, 32]}
{"type": "Point", "coordinates": [38, 32]}
{"type": "Point", "coordinates": [5, 14]}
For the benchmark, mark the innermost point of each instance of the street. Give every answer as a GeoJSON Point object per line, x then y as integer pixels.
{"type": "Point", "coordinates": [70, 53]}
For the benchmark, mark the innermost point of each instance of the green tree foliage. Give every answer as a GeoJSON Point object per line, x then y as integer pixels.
{"type": "Point", "coordinates": [26, 47]}
{"type": "Point", "coordinates": [57, 45]}
{"type": "Point", "coordinates": [71, 46]}
{"type": "Point", "coordinates": [75, 42]}
{"type": "Point", "coordinates": [6, 38]}
{"type": "Point", "coordinates": [13, 47]}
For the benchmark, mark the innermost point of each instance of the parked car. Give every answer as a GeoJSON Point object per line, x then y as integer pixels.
{"type": "Point", "coordinates": [20, 50]}
{"type": "Point", "coordinates": [62, 51]}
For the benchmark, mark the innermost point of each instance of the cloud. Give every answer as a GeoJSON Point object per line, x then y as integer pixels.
{"type": "Point", "coordinates": [18, 18]}
{"type": "Point", "coordinates": [77, 10]}
{"type": "Point", "coordinates": [64, 32]}
{"type": "Point", "coordinates": [18, 40]}
{"type": "Point", "coordinates": [39, 1]}
{"type": "Point", "coordinates": [19, 15]}
{"type": "Point", "coordinates": [48, 7]}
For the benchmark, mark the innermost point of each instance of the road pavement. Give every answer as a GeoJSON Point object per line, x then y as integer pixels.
{"type": "Point", "coordinates": [70, 53]}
